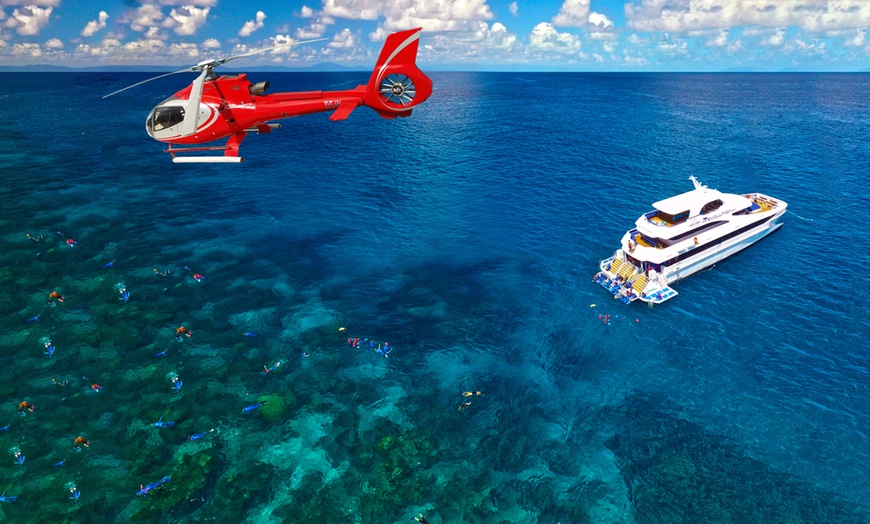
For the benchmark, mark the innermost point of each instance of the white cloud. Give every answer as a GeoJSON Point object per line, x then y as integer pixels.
{"type": "Point", "coordinates": [28, 20]}
{"type": "Point", "coordinates": [776, 39]}
{"type": "Point", "coordinates": [573, 13]}
{"type": "Point", "coordinates": [187, 19]}
{"type": "Point", "coordinates": [544, 37]}
{"type": "Point", "coordinates": [27, 49]}
{"type": "Point", "coordinates": [599, 21]}
{"type": "Point", "coordinates": [435, 15]}
{"type": "Point", "coordinates": [146, 16]}
{"type": "Point", "coordinates": [252, 25]}
{"type": "Point", "coordinates": [184, 50]}
{"type": "Point", "coordinates": [600, 27]}
{"type": "Point", "coordinates": [54, 43]}
{"type": "Point", "coordinates": [859, 39]}
{"type": "Point", "coordinates": [152, 33]}
{"type": "Point", "coordinates": [143, 47]}
{"type": "Point", "coordinates": [306, 12]}
{"type": "Point", "coordinates": [734, 47]}
{"type": "Point", "coordinates": [431, 15]}
{"type": "Point", "coordinates": [719, 39]}
{"type": "Point", "coordinates": [514, 8]}
{"type": "Point", "coordinates": [344, 39]}
{"type": "Point", "coordinates": [316, 28]}
{"type": "Point", "coordinates": [95, 25]}
{"type": "Point", "coordinates": [37, 3]}
{"type": "Point", "coordinates": [211, 43]}
{"type": "Point", "coordinates": [481, 44]}
{"type": "Point", "coordinates": [194, 3]}
{"type": "Point", "coordinates": [353, 9]}
{"type": "Point", "coordinates": [634, 61]}
{"type": "Point", "coordinates": [686, 15]}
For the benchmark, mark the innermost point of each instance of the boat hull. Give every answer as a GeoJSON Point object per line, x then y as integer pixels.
{"type": "Point", "coordinates": [722, 251]}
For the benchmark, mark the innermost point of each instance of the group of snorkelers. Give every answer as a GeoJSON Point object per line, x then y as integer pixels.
{"type": "Point", "coordinates": [182, 332]}
{"type": "Point", "coordinates": [373, 345]}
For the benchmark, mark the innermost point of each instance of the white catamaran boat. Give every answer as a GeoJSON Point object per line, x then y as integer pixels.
{"type": "Point", "coordinates": [683, 235]}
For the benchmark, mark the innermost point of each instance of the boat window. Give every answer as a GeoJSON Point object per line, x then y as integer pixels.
{"type": "Point", "coordinates": [693, 232]}
{"type": "Point", "coordinates": [666, 219]}
{"type": "Point", "coordinates": [709, 207]}
{"type": "Point", "coordinates": [164, 117]}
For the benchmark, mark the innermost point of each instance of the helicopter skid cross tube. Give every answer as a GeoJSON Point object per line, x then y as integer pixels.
{"type": "Point", "coordinates": [229, 106]}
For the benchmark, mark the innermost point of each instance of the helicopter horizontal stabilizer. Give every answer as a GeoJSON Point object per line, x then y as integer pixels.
{"type": "Point", "coordinates": [343, 111]}
{"type": "Point", "coordinates": [263, 128]}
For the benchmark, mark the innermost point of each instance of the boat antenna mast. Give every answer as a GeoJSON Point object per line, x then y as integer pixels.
{"type": "Point", "coordinates": [698, 185]}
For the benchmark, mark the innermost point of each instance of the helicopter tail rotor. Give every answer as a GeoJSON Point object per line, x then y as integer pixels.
{"type": "Point", "coordinates": [397, 85]}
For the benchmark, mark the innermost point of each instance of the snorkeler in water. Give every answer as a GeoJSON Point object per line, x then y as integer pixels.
{"type": "Point", "coordinates": [125, 295]}
{"type": "Point", "coordinates": [465, 405]}
{"type": "Point", "coordinates": [25, 407]}
{"type": "Point", "coordinates": [144, 490]}
{"type": "Point", "coordinates": [196, 276]}
{"type": "Point", "coordinates": [80, 441]}
{"type": "Point", "coordinates": [182, 332]}
{"type": "Point", "coordinates": [35, 239]}
{"type": "Point", "coordinates": [108, 265]}
{"type": "Point", "coordinates": [74, 492]}
{"type": "Point", "coordinates": [385, 351]}
{"type": "Point", "coordinates": [197, 436]}
{"type": "Point", "coordinates": [252, 407]}
{"type": "Point", "coordinates": [54, 295]}
{"type": "Point", "coordinates": [19, 457]}
{"type": "Point", "coordinates": [270, 369]}
{"type": "Point", "coordinates": [421, 519]}
{"type": "Point", "coordinates": [161, 424]}
{"type": "Point", "coordinates": [469, 393]}
{"type": "Point", "coordinates": [162, 273]}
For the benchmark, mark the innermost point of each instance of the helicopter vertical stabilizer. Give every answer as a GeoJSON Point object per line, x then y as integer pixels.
{"type": "Point", "coordinates": [397, 85]}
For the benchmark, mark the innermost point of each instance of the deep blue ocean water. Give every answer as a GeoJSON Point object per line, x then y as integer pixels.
{"type": "Point", "coordinates": [466, 236]}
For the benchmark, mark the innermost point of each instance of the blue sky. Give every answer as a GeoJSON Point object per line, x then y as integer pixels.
{"type": "Point", "coordinates": [563, 35]}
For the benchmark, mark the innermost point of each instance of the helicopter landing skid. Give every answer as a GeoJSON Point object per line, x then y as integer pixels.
{"type": "Point", "coordinates": [230, 156]}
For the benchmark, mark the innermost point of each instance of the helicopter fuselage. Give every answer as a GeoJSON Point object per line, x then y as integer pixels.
{"type": "Point", "coordinates": [230, 104]}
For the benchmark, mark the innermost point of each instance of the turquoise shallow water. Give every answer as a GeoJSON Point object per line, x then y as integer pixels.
{"type": "Point", "coordinates": [466, 236]}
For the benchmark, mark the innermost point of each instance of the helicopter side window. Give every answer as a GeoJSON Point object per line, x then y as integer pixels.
{"type": "Point", "coordinates": [164, 117]}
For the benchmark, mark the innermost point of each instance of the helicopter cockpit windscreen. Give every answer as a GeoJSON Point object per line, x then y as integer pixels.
{"type": "Point", "coordinates": [163, 117]}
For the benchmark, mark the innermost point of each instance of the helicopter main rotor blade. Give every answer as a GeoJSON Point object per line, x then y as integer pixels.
{"type": "Point", "coordinates": [186, 70]}
{"type": "Point", "coordinates": [191, 111]}
{"type": "Point", "coordinates": [224, 60]}
{"type": "Point", "coordinates": [208, 65]}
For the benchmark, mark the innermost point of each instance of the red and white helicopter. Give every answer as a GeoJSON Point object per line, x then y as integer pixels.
{"type": "Point", "coordinates": [215, 107]}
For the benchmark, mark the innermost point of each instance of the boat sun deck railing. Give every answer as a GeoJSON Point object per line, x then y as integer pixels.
{"type": "Point", "coordinates": [645, 241]}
